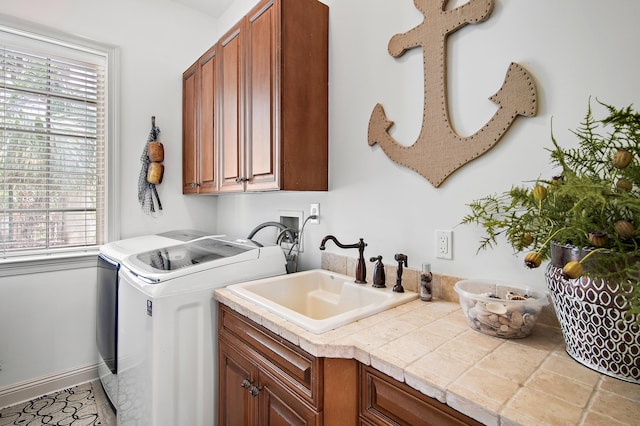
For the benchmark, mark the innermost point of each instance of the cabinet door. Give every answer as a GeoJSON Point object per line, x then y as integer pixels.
{"type": "Point", "coordinates": [190, 166]}
{"type": "Point", "coordinates": [279, 407]}
{"type": "Point", "coordinates": [231, 92]}
{"type": "Point", "coordinates": [262, 97]}
{"type": "Point", "coordinates": [208, 122]}
{"type": "Point", "coordinates": [236, 406]}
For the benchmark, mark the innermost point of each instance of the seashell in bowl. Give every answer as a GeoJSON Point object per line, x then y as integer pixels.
{"type": "Point", "coordinates": [516, 297]}
{"type": "Point", "coordinates": [496, 308]}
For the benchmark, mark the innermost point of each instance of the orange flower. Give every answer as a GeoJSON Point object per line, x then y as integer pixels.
{"type": "Point", "coordinates": [533, 260]}
{"type": "Point", "coordinates": [572, 270]}
{"type": "Point", "coordinates": [598, 239]}
{"type": "Point", "coordinates": [539, 192]}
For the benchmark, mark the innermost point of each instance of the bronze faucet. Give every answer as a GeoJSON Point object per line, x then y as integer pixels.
{"type": "Point", "coordinates": [361, 268]}
{"type": "Point", "coordinates": [402, 260]}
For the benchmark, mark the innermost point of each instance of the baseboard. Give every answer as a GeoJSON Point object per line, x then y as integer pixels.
{"type": "Point", "coordinates": [30, 389]}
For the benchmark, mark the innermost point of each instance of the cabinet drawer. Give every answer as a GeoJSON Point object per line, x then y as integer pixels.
{"type": "Point", "coordinates": [385, 401]}
{"type": "Point", "coordinates": [297, 369]}
{"type": "Point", "coordinates": [279, 406]}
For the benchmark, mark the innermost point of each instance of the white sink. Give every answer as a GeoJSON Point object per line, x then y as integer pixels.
{"type": "Point", "coordinates": [319, 300]}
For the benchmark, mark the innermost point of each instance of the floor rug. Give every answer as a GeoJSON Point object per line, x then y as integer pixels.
{"type": "Point", "coordinates": [70, 407]}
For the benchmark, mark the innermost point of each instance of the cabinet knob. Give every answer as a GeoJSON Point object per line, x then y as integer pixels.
{"type": "Point", "coordinates": [254, 390]}
{"type": "Point", "coordinates": [241, 180]}
{"type": "Point", "coordinates": [194, 185]}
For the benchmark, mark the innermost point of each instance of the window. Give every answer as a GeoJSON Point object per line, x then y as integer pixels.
{"type": "Point", "coordinates": [53, 144]}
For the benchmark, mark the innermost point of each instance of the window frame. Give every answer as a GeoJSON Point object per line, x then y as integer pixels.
{"type": "Point", "coordinates": [80, 256]}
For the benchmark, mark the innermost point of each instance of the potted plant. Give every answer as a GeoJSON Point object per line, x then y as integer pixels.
{"type": "Point", "coordinates": [586, 221]}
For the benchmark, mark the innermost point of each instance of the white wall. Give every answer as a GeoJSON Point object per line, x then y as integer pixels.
{"type": "Point", "coordinates": [47, 323]}
{"type": "Point", "coordinates": [573, 48]}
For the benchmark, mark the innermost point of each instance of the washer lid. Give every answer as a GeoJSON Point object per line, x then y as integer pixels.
{"type": "Point", "coordinates": [182, 259]}
{"type": "Point", "coordinates": [118, 250]}
{"type": "Point", "coordinates": [184, 234]}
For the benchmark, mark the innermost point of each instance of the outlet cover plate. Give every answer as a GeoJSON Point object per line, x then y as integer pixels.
{"type": "Point", "coordinates": [444, 244]}
{"type": "Point", "coordinates": [314, 209]}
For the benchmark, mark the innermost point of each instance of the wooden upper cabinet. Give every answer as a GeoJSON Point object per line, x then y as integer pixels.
{"type": "Point", "coordinates": [231, 94]}
{"type": "Point", "coordinates": [189, 131]}
{"type": "Point", "coordinates": [304, 95]}
{"type": "Point", "coordinates": [208, 121]}
{"type": "Point", "coordinates": [255, 106]}
{"type": "Point", "coordinates": [274, 97]}
{"type": "Point", "coordinates": [199, 126]}
{"type": "Point", "coordinates": [262, 100]}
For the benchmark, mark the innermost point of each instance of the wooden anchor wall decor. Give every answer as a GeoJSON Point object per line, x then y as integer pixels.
{"type": "Point", "coordinates": [439, 150]}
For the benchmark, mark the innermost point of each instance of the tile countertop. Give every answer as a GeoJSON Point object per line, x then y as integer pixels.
{"type": "Point", "coordinates": [429, 346]}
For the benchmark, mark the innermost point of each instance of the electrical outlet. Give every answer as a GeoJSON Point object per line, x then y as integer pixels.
{"type": "Point", "coordinates": [444, 243]}
{"type": "Point", "coordinates": [314, 210]}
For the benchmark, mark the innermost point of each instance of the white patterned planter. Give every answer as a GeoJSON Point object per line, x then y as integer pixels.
{"type": "Point", "coordinates": [596, 331]}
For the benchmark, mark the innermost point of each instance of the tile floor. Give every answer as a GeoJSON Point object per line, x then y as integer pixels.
{"type": "Point", "coordinates": [84, 404]}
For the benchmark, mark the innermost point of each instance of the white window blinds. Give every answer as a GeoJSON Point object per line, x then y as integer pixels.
{"type": "Point", "coordinates": [52, 146]}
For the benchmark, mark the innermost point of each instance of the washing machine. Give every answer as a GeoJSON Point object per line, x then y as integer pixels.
{"type": "Point", "coordinates": [167, 332]}
{"type": "Point", "coordinates": [109, 261]}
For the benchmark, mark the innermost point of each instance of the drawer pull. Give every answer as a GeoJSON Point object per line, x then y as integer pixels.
{"type": "Point", "coordinates": [254, 390]}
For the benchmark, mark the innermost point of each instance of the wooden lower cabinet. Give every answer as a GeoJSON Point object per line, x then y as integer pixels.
{"type": "Point", "coordinates": [251, 395]}
{"type": "Point", "coordinates": [278, 406]}
{"type": "Point", "coordinates": [266, 380]}
{"type": "Point", "coordinates": [385, 401]}
{"type": "Point", "coordinates": [237, 406]}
